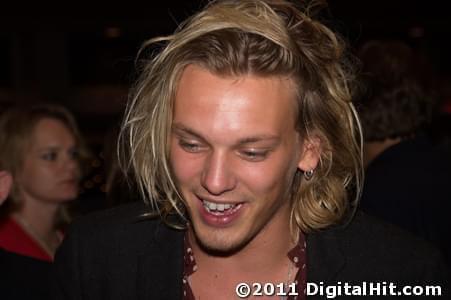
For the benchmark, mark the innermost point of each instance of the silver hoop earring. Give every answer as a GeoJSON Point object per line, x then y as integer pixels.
{"type": "Point", "coordinates": [309, 174]}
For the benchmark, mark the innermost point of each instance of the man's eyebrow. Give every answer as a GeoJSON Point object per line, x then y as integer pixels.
{"type": "Point", "coordinates": [181, 129]}
{"type": "Point", "coordinates": [258, 138]}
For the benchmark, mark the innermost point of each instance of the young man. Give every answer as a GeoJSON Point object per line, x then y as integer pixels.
{"type": "Point", "coordinates": [242, 137]}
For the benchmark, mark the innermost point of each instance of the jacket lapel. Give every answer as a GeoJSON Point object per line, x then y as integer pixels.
{"type": "Point", "coordinates": [160, 265]}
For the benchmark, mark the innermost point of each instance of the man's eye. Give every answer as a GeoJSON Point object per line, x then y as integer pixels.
{"type": "Point", "coordinates": [254, 155]}
{"type": "Point", "coordinates": [190, 147]}
{"type": "Point", "coordinates": [50, 156]}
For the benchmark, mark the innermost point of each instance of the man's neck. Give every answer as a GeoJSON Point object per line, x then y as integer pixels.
{"type": "Point", "coordinates": [264, 259]}
{"type": "Point", "coordinates": [264, 254]}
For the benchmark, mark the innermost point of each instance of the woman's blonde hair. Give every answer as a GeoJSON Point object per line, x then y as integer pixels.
{"type": "Point", "coordinates": [17, 125]}
{"type": "Point", "coordinates": [261, 38]}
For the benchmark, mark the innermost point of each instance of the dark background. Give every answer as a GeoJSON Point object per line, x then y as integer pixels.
{"type": "Point", "coordinates": [82, 56]}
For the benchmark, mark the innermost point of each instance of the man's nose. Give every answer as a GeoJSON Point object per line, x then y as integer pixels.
{"type": "Point", "coordinates": [218, 176]}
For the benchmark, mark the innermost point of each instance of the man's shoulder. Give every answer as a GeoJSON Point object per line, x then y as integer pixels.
{"type": "Point", "coordinates": [372, 230]}
{"type": "Point", "coordinates": [124, 223]}
{"type": "Point", "coordinates": [116, 216]}
{"type": "Point", "coordinates": [370, 248]}
{"type": "Point", "coordinates": [368, 234]}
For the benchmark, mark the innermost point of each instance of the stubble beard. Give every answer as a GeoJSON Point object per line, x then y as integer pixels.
{"type": "Point", "coordinates": [216, 242]}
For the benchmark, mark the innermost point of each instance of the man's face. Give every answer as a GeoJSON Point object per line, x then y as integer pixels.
{"type": "Point", "coordinates": [234, 152]}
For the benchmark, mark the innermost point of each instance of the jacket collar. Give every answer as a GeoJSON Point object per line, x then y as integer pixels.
{"type": "Point", "coordinates": [160, 265]}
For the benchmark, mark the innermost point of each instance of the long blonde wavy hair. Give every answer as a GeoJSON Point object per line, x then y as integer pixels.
{"type": "Point", "coordinates": [261, 38]}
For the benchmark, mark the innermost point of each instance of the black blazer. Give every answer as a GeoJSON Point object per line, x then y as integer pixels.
{"type": "Point", "coordinates": [116, 255]}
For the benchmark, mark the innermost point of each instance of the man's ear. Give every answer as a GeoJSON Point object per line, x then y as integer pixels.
{"type": "Point", "coordinates": [311, 153]}
{"type": "Point", "coordinates": [5, 185]}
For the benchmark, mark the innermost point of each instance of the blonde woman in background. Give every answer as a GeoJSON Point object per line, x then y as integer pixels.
{"type": "Point", "coordinates": [41, 147]}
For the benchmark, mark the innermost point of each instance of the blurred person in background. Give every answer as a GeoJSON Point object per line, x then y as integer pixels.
{"type": "Point", "coordinates": [407, 176]}
{"type": "Point", "coordinates": [41, 147]}
{"type": "Point", "coordinates": [16, 269]}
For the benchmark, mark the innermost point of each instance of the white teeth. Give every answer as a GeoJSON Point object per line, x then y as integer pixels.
{"type": "Point", "coordinates": [228, 206]}
{"type": "Point", "coordinates": [211, 206]}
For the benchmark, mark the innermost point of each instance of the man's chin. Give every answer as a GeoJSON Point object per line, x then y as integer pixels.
{"type": "Point", "coordinates": [216, 246]}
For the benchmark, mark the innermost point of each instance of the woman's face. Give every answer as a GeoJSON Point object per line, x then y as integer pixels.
{"type": "Point", "coordinates": [50, 170]}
